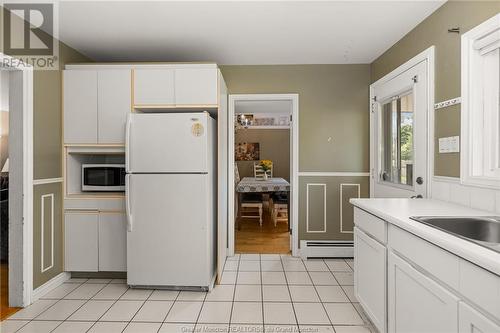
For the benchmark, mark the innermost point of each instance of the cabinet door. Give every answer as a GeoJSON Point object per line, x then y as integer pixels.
{"type": "Point", "coordinates": [80, 106]}
{"type": "Point", "coordinates": [370, 264]}
{"type": "Point", "coordinates": [80, 241]}
{"type": "Point", "coordinates": [196, 86]}
{"type": "Point", "coordinates": [112, 242]}
{"type": "Point", "coordinates": [416, 303]}
{"type": "Point", "coordinates": [113, 104]}
{"type": "Point", "coordinates": [471, 321]}
{"type": "Point", "coordinates": [154, 87]}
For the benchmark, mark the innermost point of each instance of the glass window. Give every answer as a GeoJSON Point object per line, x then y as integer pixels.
{"type": "Point", "coordinates": [397, 140]}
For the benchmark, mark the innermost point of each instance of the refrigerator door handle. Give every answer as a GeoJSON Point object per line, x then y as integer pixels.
{"type": "Point", "coordinates": [127, 203]}
{"type": "Point", "coordinates": [127, 142]}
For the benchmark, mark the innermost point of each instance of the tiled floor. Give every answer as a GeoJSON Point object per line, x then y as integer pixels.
{"type": "Point", "coordinates": [259, 293]}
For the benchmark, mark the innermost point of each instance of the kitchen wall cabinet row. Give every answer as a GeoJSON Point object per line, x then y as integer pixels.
{"type": "Point", "coordinates": [97, 99]}
{"type": "Point", "coordinates": [406, 284]}
{"type": "Point", "coordinates": [95, 241]}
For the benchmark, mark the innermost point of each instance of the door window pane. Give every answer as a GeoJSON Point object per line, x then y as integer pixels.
{"type": "Point", "coordinates": [397, 140]}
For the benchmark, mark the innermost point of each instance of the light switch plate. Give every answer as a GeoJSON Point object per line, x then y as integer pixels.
{"type": "Point", "coordinates": [449, 145]}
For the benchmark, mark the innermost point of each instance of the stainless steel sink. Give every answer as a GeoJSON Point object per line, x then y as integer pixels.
{"type": "Point", "coordinates": [484, 231]}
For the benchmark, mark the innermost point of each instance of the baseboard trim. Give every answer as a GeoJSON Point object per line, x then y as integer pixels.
{"type": "Point", "coordinates": [310, 249]}
{"type": "Point", "coordinates": [50, 285]}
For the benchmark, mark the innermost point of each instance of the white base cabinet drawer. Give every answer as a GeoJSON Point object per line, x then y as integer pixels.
{"type": "Point", "coordinates": [370, 267]}
{"type": "Point", "coordinates": [471, 321]}
{"type": "Point", "coordinates": [371, 225]}
{"type": "Point", "coordinates": [416, 303]}
{"type": "Point", "coordinates": [81, 241]}
{"type": "Point", "coordinates": [112, 242]}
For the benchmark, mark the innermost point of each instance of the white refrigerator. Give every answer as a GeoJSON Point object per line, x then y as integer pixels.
{"type": "Point", "coordinates": [171, 200]}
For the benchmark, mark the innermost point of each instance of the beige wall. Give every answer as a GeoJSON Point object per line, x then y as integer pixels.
{"type": "Point", "coordinates": [333, 103]}
{"type": "Point", "coordinates": [434, 31]}
{"type": "Point", "coordinates": [274, 145]}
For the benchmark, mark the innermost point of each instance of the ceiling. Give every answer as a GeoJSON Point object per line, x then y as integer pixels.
{"type": "Point", "coordinates": [239, 33]}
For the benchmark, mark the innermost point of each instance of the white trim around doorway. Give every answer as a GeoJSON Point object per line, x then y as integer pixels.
{"type": "Point", "coordinates": [21, 260]}
{"type": "Point", "coordinates": [294, 179]}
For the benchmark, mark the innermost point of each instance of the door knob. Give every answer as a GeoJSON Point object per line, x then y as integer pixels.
{"type": "Point", "coordinates": [420, 180]}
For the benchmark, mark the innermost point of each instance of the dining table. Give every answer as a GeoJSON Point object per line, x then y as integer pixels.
{"type": "Point", "coordinates": [262, 185]}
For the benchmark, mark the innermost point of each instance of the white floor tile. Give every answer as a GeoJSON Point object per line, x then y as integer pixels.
{"type": "Point", "coordinates": [107, 327]}
{"type": "Point", "coordinates": [229, 278]}
{"type": "Point", "coordinates": [164, 295]}
{"type": "Point", "coordinates": [85, 291]}
{"type": "Point", "coordinates": [119, 281]}
{"type": "Point", "coordinates": [249, 266]}
{"type": "Point", "coordinates": [352, 329]}
{"type": "Point", "coordinates": [122, 311]}
{"type": "Point", "coordinates": [315, 266]}
{"type": "Point", "coordinates": [245, 293]}
{"type": "Point", "coordinates": [338, 265]}
{"type": "Point", "coordinates": [362, 313]}
{"type": "Point", "coordinates": [271, 266]}
{"type": "Point", "coordinates": [142, 328]}
{"type": "Point", "coordinates": [317, 329]}
{"type": "Point", "coordinates": [33, 310]}
{"type": "Point", "coordinates": [176, 328]}
{"type": "Point", "coordinates": [293, 266]}
{"type": "Point", "coordinates": [343, 314]}
{"type": "Point", "coordinates": [61, 310]}
{"type": "Point", "coordinates": [91, 311]}
{"type": "Point", "coordinates": [298, 278]}
{"type": "Point", "coordinates": [236, 257]}
{"type": "Point", "coordinates": [288, 257]}
{"type": "Point", "coordinates": [279, 313]}
{"type": "Point", "coordinates": [247, 313]}
{"type": "Point", "coordinates": [184, 312]}
{"type": "Point", "coordinates": [237, 328]}
{"type": "Point", "coordinates": [198, 296]}
{"type": "Point", "coordinates": [248, 278]}
{"type": "Point", "coordinates": [323, 278]}
{"type": "Point", "coordinates": [61, 291]}
{"type": "Point", "coordinates": [250, 256]}
{"type": "Point", "coordinates": [231, 265]}
{"type": "Point", "coordinates": [273, 278]}
{"type": "Point", "coordinates": [311, 314]}
{"type": "Point", "coordinates": [265, 257]}
{"type": "Point", "coordinates": [137, 294]}
{"type": "Point", "coordinates": [331, 294]}
{"type": "Point", "coordinates": [282, 328]}
{"type": "Point", "coordinates": [215, 313]}
{"type": "Point", "coordinates": [153, 311]}
{"type": "Point", "coordinates": [221, 293]}
{"type": "Point", "coordinates": [303, 294]}
{"type": "Point", "coordinates": [349, 291]}
{"type": "Point", "coordinates": [73, 327]}
{"type": "Point", "coordinates": [275, 293]}
{"type": "Point", "coordinates": [11, 326]}
{"type": "Point", "coordinates": [344, 278]}
{"type": "Point", "coordinates": [350, 262]}
{"type": "Point", "coordinates": [39, 327]}
{"type": "Point", "coordinates": [212, 328]}
{"type": "Point", "coordinates": [77, 280]}
{"type": "Point", "coordinates": [112, 291]}
{"type": "Point", "coordinates": [98, 281]}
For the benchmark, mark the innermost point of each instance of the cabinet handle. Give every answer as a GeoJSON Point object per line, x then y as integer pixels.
{"type": "Point", "coordinates": [127, 142]}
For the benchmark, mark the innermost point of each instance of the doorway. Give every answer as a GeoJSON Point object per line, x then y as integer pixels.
{"type": "Point", "coordinates": [16, 183]}
{"type": "Point", "coordinates": [262, 173]}
{"type": "Point", "coordinates": [401, 125]}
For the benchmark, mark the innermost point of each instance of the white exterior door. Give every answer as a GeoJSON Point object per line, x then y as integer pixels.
{"type": "Point", "coordinates": [399, 131]}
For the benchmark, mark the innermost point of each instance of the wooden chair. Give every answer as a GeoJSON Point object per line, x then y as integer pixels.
{"type": "Point", "coordinates": [249, 200]}
{"type": "Point", "coordinates": [279, 207]}
{"type": "Point", "coordinates": [258, 172]}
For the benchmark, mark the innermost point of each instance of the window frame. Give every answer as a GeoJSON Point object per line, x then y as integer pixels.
{"type": "Point", "coordinates": [476, 138]}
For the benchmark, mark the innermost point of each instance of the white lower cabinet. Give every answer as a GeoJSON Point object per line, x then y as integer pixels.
{"type": "Point", "coordinates": [81, 231]}
{"type": "Point", "coordinates": [112, 242]}
{"type": "Point", "coordinates": [471, 321]}
{"type": "Point", "coordinates": [370, 277]}
{"type": "Point", "coordinates": [416, 303]}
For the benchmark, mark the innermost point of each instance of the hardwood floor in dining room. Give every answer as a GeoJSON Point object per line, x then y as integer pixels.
{"type": "Point", "coordinates": [5, 310]}
{"type": "Point", "coordinates": [252, 238]}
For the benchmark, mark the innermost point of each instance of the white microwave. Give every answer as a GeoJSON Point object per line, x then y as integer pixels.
{"type": "Point", "coordinates": [103, 177]}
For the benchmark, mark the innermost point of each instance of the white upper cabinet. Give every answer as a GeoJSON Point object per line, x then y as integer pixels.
{"type": "Point", "coordinates": [80, 106]}
{"type": "Point", "coordinates": [113, 104]}
{"type": "Point", "coordinates": [154, 87]}
{"type": "Point", "coordinates": [196, 86]}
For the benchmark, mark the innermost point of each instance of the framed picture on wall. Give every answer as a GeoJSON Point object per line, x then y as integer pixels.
{"type": "Point", "coordinates": [247, 151]}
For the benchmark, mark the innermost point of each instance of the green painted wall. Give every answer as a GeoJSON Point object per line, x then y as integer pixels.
{"type": "Point", "coordinates": [333, 104]}
{"type": "Point", "coordinates": [434, 31]}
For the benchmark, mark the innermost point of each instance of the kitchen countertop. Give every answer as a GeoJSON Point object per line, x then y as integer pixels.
{"type": "Point", "coordinates": [398, 212]}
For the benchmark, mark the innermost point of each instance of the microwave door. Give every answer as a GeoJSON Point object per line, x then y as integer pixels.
{"type": "Point", "coordinates": [103, 178]}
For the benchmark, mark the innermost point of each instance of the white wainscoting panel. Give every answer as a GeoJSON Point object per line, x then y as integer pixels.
{"type": "Point", "coordinates": [341, 197]}
{"type": "Point", "coordinates": [307, 208]}
{"type": "Point", "coordinates": [45, 224]}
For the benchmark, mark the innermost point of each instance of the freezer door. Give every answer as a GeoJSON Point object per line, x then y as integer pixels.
{"type": "Point", "coordinates": [168, 142]}
{"type": "Point", "coordinates": [171, 231]}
